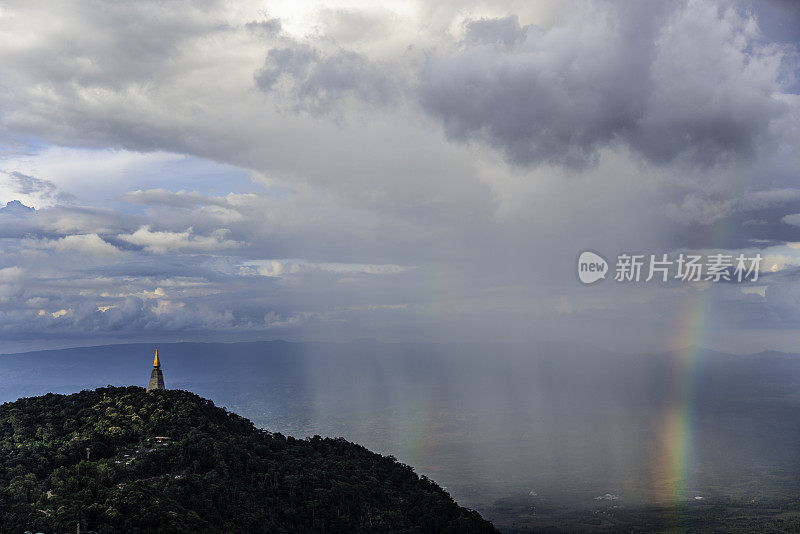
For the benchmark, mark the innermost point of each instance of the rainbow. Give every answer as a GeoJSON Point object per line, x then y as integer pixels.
{"type": "Point", "coordinates": [673, 477]}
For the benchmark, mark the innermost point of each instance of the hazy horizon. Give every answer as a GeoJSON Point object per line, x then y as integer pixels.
{"type": "Point", "coordinates": [569, 346]}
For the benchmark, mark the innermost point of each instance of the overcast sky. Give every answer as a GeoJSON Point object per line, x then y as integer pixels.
{"type": "Point", "coordinates": [423, 171]}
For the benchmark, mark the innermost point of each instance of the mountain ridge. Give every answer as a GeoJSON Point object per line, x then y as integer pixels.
{"type": "Point", "coordinates": [215, 472]}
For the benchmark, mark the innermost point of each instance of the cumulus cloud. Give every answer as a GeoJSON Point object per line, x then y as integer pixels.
{"type": "Point", "coordinates": [163, 242]}
{"type": "Point", "coordinates": [793, 219]}
{"type": "Point", "coordinates": [318, 80]}
{"type": "Point", "coordinates": [770, 197]}
{"type": "Point", "coordinates": [11, 274]}
{"type": "Point", "coordinates": [15, 208]}
{"type": "Point", "coordinates": [293, 266]}
{"type": "Point", "coordinates": [695, 82]}
{"type": "Point", "coordinates": [264, 28]}
{"type": "Point", "coordinates": [83, 244]}
{"type": "Point", "coordinates": [11, 283]}
{"type": "Point", "coordinates": [59, 221]}
{"type": "Point", "coordinates": [505, 30]}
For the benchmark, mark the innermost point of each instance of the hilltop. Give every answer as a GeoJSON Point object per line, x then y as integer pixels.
{"type": "Point", "coordinates": [215, 472]}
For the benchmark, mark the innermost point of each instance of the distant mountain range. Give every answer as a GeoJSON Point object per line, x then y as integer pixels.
{"type": "Point", "coordinates": [188, 364]}
{"type": "Point", "coordinates": [365, 364]}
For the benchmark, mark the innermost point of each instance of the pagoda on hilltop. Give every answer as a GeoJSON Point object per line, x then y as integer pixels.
{"type": "Point", "coordinates": [156, 376]}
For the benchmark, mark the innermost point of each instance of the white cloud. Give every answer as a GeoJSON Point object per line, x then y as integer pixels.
{"type": "Point", "coordinates": [11, 274]}
{"type": "Point", "coordinates": [83, 244]}
{"type": "Point", "coordinates": [163, 242]}
{"type": "Point", "coordinates": [770, 197]}
{"type": "Point", "coordinates": [180, 199]}
{"type": "Point", "coordinates": [279, 268]}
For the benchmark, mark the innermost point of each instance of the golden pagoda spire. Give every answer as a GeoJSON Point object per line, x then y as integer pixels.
{"type": "Point", "coordinates": [156, 376]}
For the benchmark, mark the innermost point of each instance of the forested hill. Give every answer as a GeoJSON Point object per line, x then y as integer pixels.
{"type": "Point", "coordinates": [216, 473]}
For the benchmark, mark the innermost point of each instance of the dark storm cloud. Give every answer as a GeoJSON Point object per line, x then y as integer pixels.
{"type": "Point", "coordinates": [692, 83]}
{"type": "Point", "coordinates": [265, 28]}
{"type": "Point", "coordinates": [504, 30]}
{"type": "Point", "coordinates": [321, 80]}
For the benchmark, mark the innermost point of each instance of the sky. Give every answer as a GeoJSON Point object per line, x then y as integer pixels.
{"type": "Point", "coordinates": [408, 171]}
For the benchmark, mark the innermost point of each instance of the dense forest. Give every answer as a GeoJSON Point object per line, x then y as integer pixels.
{"type": "Point", "coordinates": [100, 459]}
